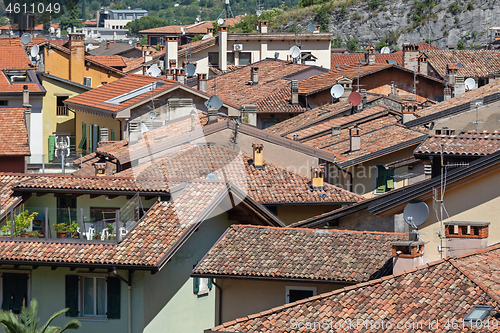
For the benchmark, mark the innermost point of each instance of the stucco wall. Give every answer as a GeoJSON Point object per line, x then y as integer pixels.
{"type": "Point", "coordinates": [293, 213]}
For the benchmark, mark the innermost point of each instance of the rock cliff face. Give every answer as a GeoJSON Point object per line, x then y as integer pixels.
{"type": "Point", "coordinates": [444, 22]}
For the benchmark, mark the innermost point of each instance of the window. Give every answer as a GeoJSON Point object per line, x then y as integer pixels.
{"type": "Point", "coordinates": [245, 58]}
{"type": "Point", "coordinates": [213, 59]}
{"type": "Point", "coordinates": [66, 209]}
{"type": "Point", "coordinates": [4, 103]}
{"type": "Point", "coordinates": [14, 291]}
{"type": "Point", "coordinates": [477, 314]}
{"type": "Point", "coordinates": [294, 294]}
{"type": "Point", "coordinates": [61, 109]}
{"type": "Point", "coordinates": [87, 81]}
{"type": "Point", "coordinates": [201, 286]}
{"type": "Point", "coordinates": [230, 58]}
{"type": "Point", "coordinates": [384, 179]}
{"type": "Point", "coordinates": [96, 296]}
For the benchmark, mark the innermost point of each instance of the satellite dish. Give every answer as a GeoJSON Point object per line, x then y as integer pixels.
{"type": "Point", "coordinates": [90, 46]}
{"type": "Point", "coordinates": [213, 102]}
{"type": "Point", "coordinates": [220, 21]}
{"type": "Point", "coordinates": [52, 30]}
{"type": "Point", "coordinates": [130, 42]}
{"type": "Point", "coordinates": [37, 58]}
{"type": "Point", "coordinates": [311, 27]}
{"type": "Point", "coordinates": [259, 13]}
{"type": "Point", "coordinates": [294, 51]}
{"type": "Point", "coordinates": [337, 91]}
{"type": "Point", "coordinates": [152, 115]}
{"type": "Point", "coordinates": [26, 38]}
{"type": "Point", "coordinates": [354, 98]}
{"type": "Point", "coordinates": [34, 51]}
{"type": "Point", "coordinates": [69, 30]}
{"type": "Point", "coordinates": [385, 50]}
{"type": "Point", "coordinates": [470, 84]}
{"type": "Point", "coordinates": [416, 213]}
{"type": "Point", "coordinates": [153, 71]}
{"type": "Point", "coordinates": [190, 69]}
{"type": "Point", "coordinates": [206, 37]}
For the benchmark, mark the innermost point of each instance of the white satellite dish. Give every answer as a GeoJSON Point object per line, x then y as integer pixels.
{"type": "Point", "coordinates": [68, 30]}
{"type": "Point", "coordinates": [311, 27]}
{"type": "Point", "coordinates": [153, 71]}
{"type": "Point", "coordinates": [259, 13]}
{"type": "Point", "coordinates": [337, 91]}
{"type": "Point", "coordinates": [294, 51]}
{"type": "Point", "coordinates": [470, 84]}
{"type": "Point", "coordinates": [52, 30]}
{"type": "Point", "coordinates": [385, 50]}
{"type": "Point", "coordinates": [220, 21]}
{"type": "Point", "coordinates": [206, 37]}
{"type": "Point", "coordinates": [26, 38]}
{"type": "Point", "coordinates": [90, 46]}
{"type": "Point", "coordinates": [37, 58]}
{"type": "Point", "coordinates": [190, 69]}
{"type": "Point", "coordinates": [34, 51]}
{"type": "Point", "coordinates": [416, 213]}
{"type": "Point", "coordinates": [130, 42]}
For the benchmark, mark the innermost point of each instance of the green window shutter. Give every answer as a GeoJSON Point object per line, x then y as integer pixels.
{"type": "Point", "coordinates": [83, 142]}
{"type": "Point", "coordinates": [385, 179]}
{"type": "Point", "coordinates": [210, 283]}
{"type": "Point", "coordinates": [196, 285]}
{"type": "Point", "coordinates": [72, 143]}
{"type": "Point", "coordinates": [52, 146]}
{"type": "Point", "coordinates": [72, 295]}
{"type": "Point", "coordinates": [112, 135]}
{"type": "Point", "coordinates": [15, 291]}
{"type": "Point", "coordinates": [7, 288]}
{"type": "Point", "coordinates": [113, 298]}
{"type": "Point", "coordinates": [91, 142]}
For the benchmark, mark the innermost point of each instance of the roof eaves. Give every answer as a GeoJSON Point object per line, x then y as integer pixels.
{"type": "Point", "coordinates": [56, 78]}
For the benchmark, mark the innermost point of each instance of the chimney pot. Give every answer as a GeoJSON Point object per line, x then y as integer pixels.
{"type": "Point", "coordinates": [294, 86]}
{"type": "Point", "coordinates": [258, 155]}
{"type": "Point", "coordinates": [202, 82]}
{"type": "Point", "coordinates": [100, 168]}
{"type": "Point", "coordinates": [254, 74]}
{"type": "Point", "coordinates": [317, 176]}
{"type": "Point", "coordinates": [407, 255]}
{"type": "Point", "coordinates": [355, 135]}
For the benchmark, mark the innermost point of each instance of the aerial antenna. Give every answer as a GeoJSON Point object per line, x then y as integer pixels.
{"type": "Point", "coordinates": [227, 10]}
{"type": "Point", "coordinates": [477, 104]}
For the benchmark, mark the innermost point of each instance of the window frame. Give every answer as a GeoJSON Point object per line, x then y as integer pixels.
{"type": "Point", "coordinates": [288, 288]}
{"type": "Point", "coordinates": [81, 293]}
{"type": "Point", "coordinates": [249, 58]}
{"type": "Point", "coordinates": [375, 190]}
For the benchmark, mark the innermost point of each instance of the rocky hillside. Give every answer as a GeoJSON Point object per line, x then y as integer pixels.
{"type": "Point", "coordinates": [356, 24]}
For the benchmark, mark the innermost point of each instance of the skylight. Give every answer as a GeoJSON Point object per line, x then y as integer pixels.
{"type": "Point", "coordinates": [134, 93]}
{"type": "Point", "coordinates": [477, 314]}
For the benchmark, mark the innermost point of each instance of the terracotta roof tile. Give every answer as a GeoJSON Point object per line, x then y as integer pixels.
{"type": "Point", "coordinates": [109, 60]}
{"type": "Point", "coordinates": [292, 253]}
{"type": "Point", "coordinates": [343, 59]}
{"type": "Point", "coordinates": [470, 143]}
{"type": "Point", "coordinates": [423, 47]}
{"type": "Point", "coordinates": [14, 138]}
{"type": "Point", "coordinates": [7, 182]}
{"type": "Point", "coordinates": [475, 63]}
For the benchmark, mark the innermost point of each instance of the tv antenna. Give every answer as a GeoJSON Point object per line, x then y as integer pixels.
{"type": "Point", "coordinates": [227, 9]}
{"type": "Point", "coordinates": [477, 104]}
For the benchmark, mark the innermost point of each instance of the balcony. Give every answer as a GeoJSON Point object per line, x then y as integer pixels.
{"type": "Point", "coordinates": [61, 111]}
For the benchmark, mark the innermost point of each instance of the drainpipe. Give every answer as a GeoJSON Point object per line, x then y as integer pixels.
{"type": "Point", "coordinates": [220, 302]}
{"type": "Point", "coordinates": [129, 296]}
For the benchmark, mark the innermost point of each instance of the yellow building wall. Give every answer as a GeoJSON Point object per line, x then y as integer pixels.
{"type": "Point", "coordinates": [57, 63]}
{"type": "Point", "coordinates": [90, 119]}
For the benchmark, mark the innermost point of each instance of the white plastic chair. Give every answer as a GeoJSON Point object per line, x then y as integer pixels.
{"type": "Point", "coordinates": [90, 233]}
{"type": "Point", "coordinates": [122, 232]}
{"type": "Point", "coordinates": [105, 234]}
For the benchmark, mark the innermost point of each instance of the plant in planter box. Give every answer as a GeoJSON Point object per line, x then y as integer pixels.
{"type": "Point", "coordinates": [73, 229]}
{"type": "Point", "coordinates": [22, 222]}
{"type": "Point", "coordinates": [61, 229]}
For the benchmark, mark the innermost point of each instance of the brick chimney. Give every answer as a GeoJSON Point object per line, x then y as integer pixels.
{"type": "Point", "coordinates": [447, 93]}
{"type": "Point", "coordinates": [171, 73]}
{"type": "Point", "coordinates": [181, 76]}
{"type": "Point", "coordinates": [451, 73]}
{"type": "Point", "coordinates": [317, 30]}
{"type": "Point", "coordinates": [317, 174]}
{"type": "Point", "coordinates": [213, 116]}
{"type": "Point", "coordinates": [465, 236]}
{"type": "Point", "coordinates": [254, 74]}
{"type": "Point", "coordinates": [222, 47]}
{"type": "Point", "coordinates": [258, 155]}
{"type": "Point", "coordinates": [100, 168]}
{"type": "Point", "coordinates": [210, 31]}
{"type": "Point", "coordinates": [370, 55]}
{"type": "Point", "coordinates": [171, 51]}
{"type": "Point", "coordinates": [355, 136]}
{"type": "Point", "coordinates": [459, 86]}
{"type": "Point", "coordinates": [408, 110]}
{"type": "Point", "coordinates": [262, 25]}
{"type": "Point", "coordinates": [410, 54]}
{"type": "Point", "coordinates": [407, 255]}
{"type": "Point", "coordinates": [76, 45]}
{"type": "Point", "coordinates": [294, 87]}
{"type": "Point", "coordinates": [202, 82]}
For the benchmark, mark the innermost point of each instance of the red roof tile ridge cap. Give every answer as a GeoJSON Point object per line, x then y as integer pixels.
{"type": "Point", "coordinates": [329, 230]}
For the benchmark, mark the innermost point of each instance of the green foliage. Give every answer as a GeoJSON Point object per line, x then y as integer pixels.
{"type": "Point", "coordinates": [380, 44]}
{"type": "Point", "coordinates": [470, 6]}
{"type": "Point", "coordinates": [22, 222]}
{"type": "Point", "coordinates": [390, 40]}
{"type": "Point", "coordinates": [422, 10]}
{"type": "Point", "coordinates": [461, 45]}
{"type": "Point", "coordinates": [373, 4]}
{"type": "Point", "coordinates": [454, 8]}
{"type": "Point", "coordinates": [322, 16]}
{"type": "Point", "coordinates": [337, 42]}
{"type": "Point", "coordinates": [352, 44]}
{"type": "Point", "coordinates": [144, 40]}
{"type": "Point", "coordinates": [143, 23]}
{"type": "Point", "coordinates": [71, 20]}
{"type": "Point", "coordinates": [61, 227]}
{"type": "Point", "coordinates": [27, 321]}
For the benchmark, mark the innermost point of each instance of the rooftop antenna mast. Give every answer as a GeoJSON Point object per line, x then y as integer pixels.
{"type": "Point", "coordinates": [227, 9]}
{"type": "Point", "coordinates": [415, 81]}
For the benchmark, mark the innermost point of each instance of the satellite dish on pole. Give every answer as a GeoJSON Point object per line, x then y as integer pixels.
{"type": "Point", "coordinates": [337, 91]}
{"type": "Point", "coordinates": [385, 50]}
{"type": "Point", "coordinates": [416, 213]}
{"type": "Point", "coordinates": [26, 38]}
{"type": "Point", "coordinates": [354, 98]}
{"type": "Point", "coordinates": [220, 21]}
{"type": "Point", "coordinates": [213, 102]}
{"type": "Point", "coordinates": [259, 13]}
{"type": "Point", "coordinates": [311, 27]}
{"type": "Point", "coordinates": [34, 51]}
{"type": "Point", "coordinates": [153, 71]}
{"type": "Point", "coordinates": [294, 51]}
{"type": "Point", "coordinates": [52, 30]}
{"type": "Point", "coordinates": [470, 84]}
{"type": "Point", "coordinates": [190, 69]}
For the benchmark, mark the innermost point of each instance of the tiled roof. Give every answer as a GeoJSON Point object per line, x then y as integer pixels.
{"type": "Point", "coordinates": [87, 168]}
{"type": "Point", "coordinates": [292, 253]}
{"type": "Point", "coordinates": [147, 246]}
{"type": "Point", "coordinates": [279, 101]}
{"type": "Point", "coordinates": [197, 28]}
{"type": "Point", "coordinates": [270, 185]}
{"type": "Point", "coordinates": [16, 41]}
{"type": "Point", "coordinates": [443, 291]}
{"type": "Point", "coordinates": [233, 87]}
{"type": "Point", "coordinates": [475, 63]}
{"type": "Point", "coordinates": [343, 59]}
{"type": "Point", "coordinates": [14, 137]}
{"type": "Point", "coordinates": [132, 64]}
{"type": "Point", "coordinates": [470, 143]}
{"type": "Point", "coordinates": [13, 56]}
{"type": "Point", "coordinates": [109, 60]}
{"type": "Point", "coordinates": [423, 47]}
{"type": "Point", "coordinates": [188, 49]}
{"type": "Point", "coordinates": [7, 182]}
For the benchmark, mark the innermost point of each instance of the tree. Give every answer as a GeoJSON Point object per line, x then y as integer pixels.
{"type": "Point", "coordinates": [27, 321]}
{"type": "Point", "coordinates": [143, 23]}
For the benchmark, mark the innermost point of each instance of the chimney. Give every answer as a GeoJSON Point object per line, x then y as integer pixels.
{"type": "Point", "coordinates": [222, 47]}
{"type": "Point", "coordinates": [410, 54]}
{"type": "Point", "coordinates": [76, 44]}
{"type": "Point", "coordinates": [258, 155]}
{"type": "Point", "coordinates": [170, 73]}
{"type": "Point", "coordinates": [27, 110]}
{"type": "Point", "coordinates": [462, 237]}
{"type": "Point", "coordinates": [355, 135]}
{"type": "Point", "coordinates": [210, 31]}
{"type": "Point", "coordinates": [138, 45]}
{"type": "Point", "coordinates": [262, 25]}
{"type": "Point", "coordinates": [147, 56]}
{"type": "Point", "coordinates": [370, 55]}
{"type": "Point", "coordinates": [248, 114]}
{"type": "Point", "coordinates": [317, 30]}
{"type": "Point", "coordinates": [407, 255]}
{"type": "Point", "coordinates": [363, 103]}
{"type": "Point", "coordinates": [451, 72]}
{"type": "Point", "coordinates": [107, 45]}
{"type": "Point", "coordinates": [423, 65]}
{"type": "Point", "coordinates": [408, 110]}
{"type": "Point", "coordinates": [294, 86]}
{"type": "Point", "coordinates": [181, 77]}
{"type": "Point", "coordinates": [254, 74]}
{"type": "Point", "coordinates": [202, 82]}
{"type": "Point", "coordinates": [346, 83]}
{"type": "Point", "coordinates": [447, 93]}
{"type": "Point", "coordinates": [459, 87]}
{"type": "Point", "coordinates": [317, 174]}
{"type": "Point", "coordinates": [133, 132]}
{"type": "Point", "coordinates": [171, 51]}
{"type": "Point", "coordinates": [100, 168]}
{"type": "Point", "coordinates": [213, 115]}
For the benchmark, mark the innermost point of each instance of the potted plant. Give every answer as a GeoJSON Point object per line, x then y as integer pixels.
{"type": "Point", "coordinates": [22, 222]}
{"type": "Point", "coordinates": [5, 230]}
{"type": "Point", "coordinates": [97, 235]}
{"type": "Point", "coordinates": [73, 229]}
{"type": "Point", "coordinates": [61, 229]}
{"type": "Point", "coordinates": [33, 234]}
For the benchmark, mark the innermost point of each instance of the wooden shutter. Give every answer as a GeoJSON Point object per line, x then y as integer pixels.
{"type": "Point", "coordinates": [112, 135]}
{"type": "Point", "coordinates": [113, 298]}
{"type": "Point", "coordinates": [209, 283]}
{"type": "Point", "coordinates": [15, 291]}
{"type": "Point", "coordinates": [52, 146]}
{"type": "Point", "coordinates": [196, 285]}
{"type": "Point", "coordinates": [72, 295]}
{"type": "Point", "coordinates": [91, 141]}
{"type": "Point", "coordinates": [83, 142]}
{"type": "Point", "coordinates": [385, 179]}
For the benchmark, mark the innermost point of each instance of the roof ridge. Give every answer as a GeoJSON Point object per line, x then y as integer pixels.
{"type": "Point", "coordinates": [316, 230]}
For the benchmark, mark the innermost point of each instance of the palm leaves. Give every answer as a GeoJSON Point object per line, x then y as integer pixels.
{"type": "Point", "coordinates": [27, 321]}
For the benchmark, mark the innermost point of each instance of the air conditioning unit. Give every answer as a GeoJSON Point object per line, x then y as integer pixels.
{"type": "Point", "coordinates": [238, 47]}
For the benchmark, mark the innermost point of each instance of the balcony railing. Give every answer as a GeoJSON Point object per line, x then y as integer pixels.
{"type": "Point", "coordinates": [62, 111]}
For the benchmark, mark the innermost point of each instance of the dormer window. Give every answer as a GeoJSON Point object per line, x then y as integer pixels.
{"type": "Point", "coordinates": [477, 314]}
{"type": "Point", "coordinates": [17, 76]}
